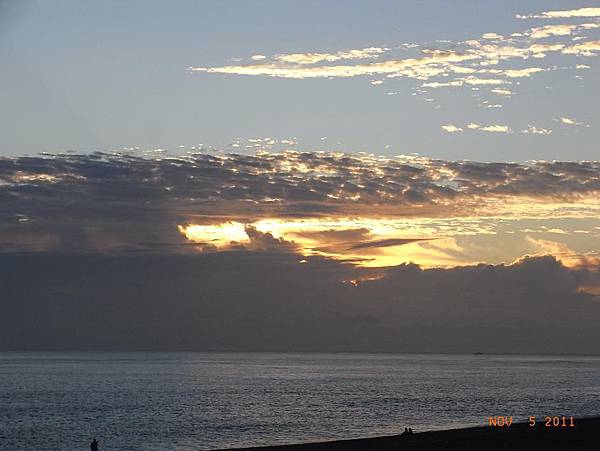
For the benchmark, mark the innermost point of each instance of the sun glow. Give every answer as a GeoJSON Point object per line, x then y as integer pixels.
{"type": "Point", "coordinates": [219, 235]}
{"type": "Point", "coordinates": [370, 242]}
{"type": "Point", "coordinates": [429, 242]}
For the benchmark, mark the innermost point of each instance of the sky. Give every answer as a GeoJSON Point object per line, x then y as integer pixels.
{"type": "Point", "coordinates": [341, 75]}
{"type": "Point", "coordinates": [355, 176]}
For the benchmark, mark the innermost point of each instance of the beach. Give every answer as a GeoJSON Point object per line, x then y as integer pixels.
{"type": "Point", "coordinates": [584, 435]}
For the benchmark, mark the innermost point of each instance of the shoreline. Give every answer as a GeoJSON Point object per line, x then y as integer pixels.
{"type": "Point", "coordinates": [584, 435]}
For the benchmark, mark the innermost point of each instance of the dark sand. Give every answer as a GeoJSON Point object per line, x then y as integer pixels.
{"type": "Point", "coordinates": [585, 435]}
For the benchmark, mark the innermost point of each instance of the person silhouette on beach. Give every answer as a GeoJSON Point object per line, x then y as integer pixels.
{"type": "Point", "coordinates": [94, 445]}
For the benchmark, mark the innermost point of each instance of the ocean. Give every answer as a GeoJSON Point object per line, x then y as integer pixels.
{"type": "Point", "coordinates": [194, 401]}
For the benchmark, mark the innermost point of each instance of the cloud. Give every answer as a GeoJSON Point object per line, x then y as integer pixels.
{"type": "Point", "coordinates": [472, 80]}
{"type": "Point", "coordinates": [493, 54]}
{"type": "Point", "coordinates": [471, 64]}
{"type": "Point", "coordinates": [220, 235]}
{"type": "Point", "coordinates": [265, 301]}
{"type": "Point", "coordinates": [569, 121]}
{"type": "Point", "coordinates": [421, 68]}
{"type": "Point", "coordinates": [313, 58]}
{"type": "Point", "coordinates": [432, 63]}
{"type": "Point", "coordinates": [305, 203]}
{"type": "Point", "coordinates": [491, 36]}
{"type": "Point", "coordinates": [385, 243]}
{"type": "Point", "coordinates": [589, 48]}
{"type": "Point", "coordinates": [559, 30]}
{"type": "Point", "coordinates": [516, 73]}
{"type": "Point", "coordinates": [531, 129]}
{"type": "Point", "coordinates": [437, 84]}
{"type": "Point", "coordinates": [265, 241]}
{"type": "Point", "coordinates": [504, 92]}
{"type": "Point", "coordinates": [545, 247]}
{"type": "Point", "coordinates": [450, 128]}
{"type": "Point", "coordinates": [495, 128]}
{"type": "Point", "coordinates": [581, 12]}
{"type": "Point", "coordinates": [551, 30]}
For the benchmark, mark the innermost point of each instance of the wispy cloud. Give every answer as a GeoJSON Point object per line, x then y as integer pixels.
{"type": "Point", "coordinates": [431, 64]}
{"type": "Point", "coordinates": [581, 12]}
{"type": "Point", "coordinates": [439, 84]}
{"type": "Point", "coordinates": [589, 48]}
{"type": "Point", "coordinates": [491, 36]}
{"type": "Point", "coordinates": [569, 121]}
{"type": "Point", "coordinates": [313, 58]}
{"type": "Point", "coordinates": [559, 30]}
{"type": "Point", "coordinates": [477, 81]}
{"type": "Point", "coordinates": [531, 129]}
{"type": "Point", "coordinates": [450, 128]}
{"type": "Point", "coordinates": [515, 73]}
{"type": "Point", "coordinates": [503, 92]}
{"type": "Point", "coordinates": [485, 64]}
{"type": "Point", "coordinates": [494, 128]}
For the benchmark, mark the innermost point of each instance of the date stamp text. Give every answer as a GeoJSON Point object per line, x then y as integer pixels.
{"type": "Point", "coordinates": [502, 421]}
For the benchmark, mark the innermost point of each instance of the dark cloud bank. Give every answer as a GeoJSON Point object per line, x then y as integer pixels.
{"type": "Point", "coordinates": [271, 302]}
{"type": "Point", "coordinates": [92, 259]}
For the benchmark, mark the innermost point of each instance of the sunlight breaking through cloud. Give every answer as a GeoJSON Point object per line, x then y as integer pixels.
{"type": "Point", "coordinates": [366, 209]}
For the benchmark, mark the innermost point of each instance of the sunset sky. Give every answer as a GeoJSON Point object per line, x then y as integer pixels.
{"type": "Point", "coordinates": [352, 143]}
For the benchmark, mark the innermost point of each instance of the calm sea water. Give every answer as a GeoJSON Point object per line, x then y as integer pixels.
{"type": "Point", "coordinates": [191, 401]}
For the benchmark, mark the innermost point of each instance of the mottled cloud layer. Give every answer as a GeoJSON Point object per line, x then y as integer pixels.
{"type": "Point", "coordinates": [372, 210]}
